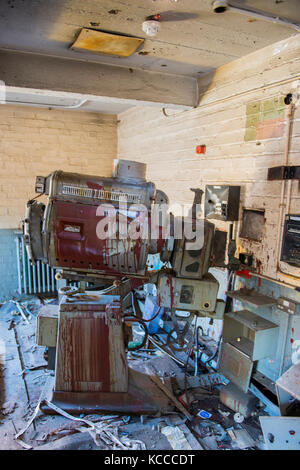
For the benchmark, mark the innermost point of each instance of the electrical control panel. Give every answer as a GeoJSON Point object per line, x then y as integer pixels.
{"type": "Point", "coordinates": [287, 305]}
{"type": "Point", "coordinates": [290, 252]}
{"type": "Point", "coordinates": [188, 294]}
{"type": "Point", "coordinates": [222, 202]}
{"type": "Point", "coordinates": [40, 184]}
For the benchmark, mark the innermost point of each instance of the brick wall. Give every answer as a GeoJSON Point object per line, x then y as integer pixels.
{"type": "Point", "coordinates": [222, 122]}
{"type": "Point", "coordinates": [36, 141]}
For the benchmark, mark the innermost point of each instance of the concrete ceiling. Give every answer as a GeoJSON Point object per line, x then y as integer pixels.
{"type": "Point", "coordinates": [193, 40]}
{"type": "Point", "coordinates": [72, 101]}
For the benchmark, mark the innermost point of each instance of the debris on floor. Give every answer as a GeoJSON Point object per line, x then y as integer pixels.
{"type": "Point", "coordinates": [199, 419]}
{"type": "Point", "coordinates": [176, 438]}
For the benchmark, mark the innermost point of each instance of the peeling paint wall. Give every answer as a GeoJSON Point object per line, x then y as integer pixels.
{"type": "Point", "coordinates": [265, 119]}
{"type": "Point", "coordinates": [243, 124]}
{"type": "Point", "coordinates": [36, 141]}
{"type": "Point", "coordinates": [235, 155]}
{"type": "Point", "coordinates": [167, 145]}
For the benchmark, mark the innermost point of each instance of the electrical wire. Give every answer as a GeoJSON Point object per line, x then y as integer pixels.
{"type": "Point", "coordinates": [197, 349]}
{"type": "Point", "coordinates": [138, 320]}
{"type": "Point", "coordinates": [153, 341]}
{"type": "Point", "coordinates": [175, 114]}
{"type": "Point", "coordinates": [215, 353]}
{"type": "Point", "coordinates": [185, 370]}
{"type": "Point", "coordinates": [107, 289]}
{"type": "Point", "coordinates": [230, 285]}
{"type": "Point", "coordinates": [136, 305]}
{"type": "Point", "coordinates": [36, 197]}
{"type": "Point", "coordinates": [227, 308]}
{"type": "Point", "coordinates": [199, 327]}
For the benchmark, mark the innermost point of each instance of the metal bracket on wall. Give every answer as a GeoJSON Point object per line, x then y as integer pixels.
{"type": "Point", "coordinates": [284, 173]}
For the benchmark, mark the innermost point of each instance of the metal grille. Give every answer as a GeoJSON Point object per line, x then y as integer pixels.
{"type": "Point", "coordinates": [99, 194]}
{"type": "Point", "coordinates": [38, 279]}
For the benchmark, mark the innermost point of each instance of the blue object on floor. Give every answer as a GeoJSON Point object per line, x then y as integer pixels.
{"type": "Point", "coordinates": [204, 414]}
{"type": "Point", "coordinates": [150, 310]}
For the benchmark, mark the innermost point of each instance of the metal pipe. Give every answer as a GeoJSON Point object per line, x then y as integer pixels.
{"type": "Point", "coordinates": [224, 99]}
{"type": "Point", "coordinates": [44, 277]}
{"type": "Point", "coordinates": [21, 311]}
{"type": "Point", "coordinates": [29, 275]}
{"type": "Point", "coordinates": [290, 112]}
{"type": "Point", "coordinates": [48, 278]}
{"type": "Point", "coordinates": [34, 277]}
{"type": "Point", "coordinates": [266, 17]}
{"type": "Point", "coordinates": [285, 163]}
{"type": "Point", "coordinates": [164, 351]}
{"type": "Point", "coordinates": [46, 105]}
{"type": "Point", "coordinates": [288, 196]}
{"type": "Point", "coordinates": [38, 264]}
{"type": "Point", "coordinates": [24, 266]}
{"type": "Point", "coordinates": [19, 267]}
{"type": "Point", "coordinates": [53, 280]}
{"type": "Point", "coordinates": [220, 6]}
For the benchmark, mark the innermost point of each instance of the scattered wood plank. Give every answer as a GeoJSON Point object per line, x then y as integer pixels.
{"type": "Point", "coordinates": [170, 395]}
{"type": "Point", "coordinates": [192, 440]}
{"type": "Point", "coordinates": [176, 438]}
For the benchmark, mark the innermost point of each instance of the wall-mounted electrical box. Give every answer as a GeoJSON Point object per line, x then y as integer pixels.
{"type": "Point", "coordinates": [251, 334]}
{"type": "Point", "coordinates": [246, 259]}
{"type": "Point", "coordinates": [290, 252]}
{"type": "Point", "coordinates": [188, 294]}
{"type": "Point", "coordinates": [253, 222]}
{"type": "Point", "coordinates": [236, 366]}
{"type": "Point", "coordinates": [40, 183]}
{"type": "Point", "coordinates": [287, 305]}
{"type": "Point", "coordinates": [247, 338]}
{"type": "Point", "coordinates": [222, 202]}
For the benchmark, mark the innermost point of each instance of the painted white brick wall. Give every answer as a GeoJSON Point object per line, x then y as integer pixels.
{"type": "Point", "coordinates": [167, 145]}
{"type": "Point", "coordinates": [36, 141]}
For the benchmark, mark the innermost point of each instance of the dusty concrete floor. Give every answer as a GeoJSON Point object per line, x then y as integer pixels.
{"type": "Point", "coordinates": [24, 377]}
{"type": "Point", "coordinates": [20, 392]}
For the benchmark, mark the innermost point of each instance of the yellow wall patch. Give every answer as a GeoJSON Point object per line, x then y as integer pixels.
{"type": "Point", "coordinates": [265, 119]}
{"type": "Point", "coordinates": [106, 43]}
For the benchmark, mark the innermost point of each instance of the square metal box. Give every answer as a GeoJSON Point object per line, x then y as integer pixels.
{"type": "Point", "coordinates": [251, 334]}
{"type": "Point", "coordinates": [188, 294]}
{"type": "Point", "coordinates": [235, 366]}
{"type": "Point", "coordinates": [46, 326]}
{"type": "Point", "coordinates": [222, 202]}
